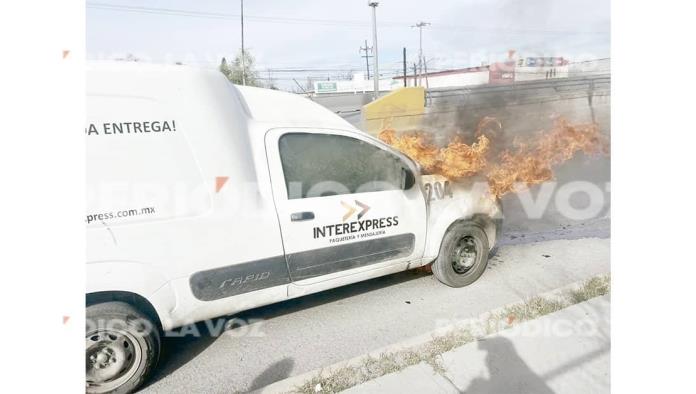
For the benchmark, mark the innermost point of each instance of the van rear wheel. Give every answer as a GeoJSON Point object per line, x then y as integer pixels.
{"type": "Point", "coordinates": [122, 347]}
{"type": "Point", "coordinates": [463, 255]}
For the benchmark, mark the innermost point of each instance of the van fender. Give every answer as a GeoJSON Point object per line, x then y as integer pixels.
{"type": "Point", "coordinates": [486, 214]}
{"type": "Point", "coordinates": [133, 277]}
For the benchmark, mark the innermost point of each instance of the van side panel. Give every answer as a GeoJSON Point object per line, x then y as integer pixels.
{"type": "Point", "coordinates": [197, 172]}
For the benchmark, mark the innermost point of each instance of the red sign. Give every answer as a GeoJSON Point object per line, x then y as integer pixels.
{"type": "Point", "coordinates": [501, 73]}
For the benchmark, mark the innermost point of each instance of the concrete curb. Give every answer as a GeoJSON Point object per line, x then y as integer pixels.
{"type": "Point", "coordinates": [291, 384]}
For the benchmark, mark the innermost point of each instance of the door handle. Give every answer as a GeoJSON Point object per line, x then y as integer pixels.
{"type": "Point", "coordinates": [301, 216]}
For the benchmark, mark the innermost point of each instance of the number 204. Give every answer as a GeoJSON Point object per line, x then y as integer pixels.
{"type": "Point", "coordinates": [438, 191]}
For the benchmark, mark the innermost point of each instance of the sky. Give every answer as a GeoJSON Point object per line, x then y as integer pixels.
{"type": "Point", "coordinates": [323, 38]}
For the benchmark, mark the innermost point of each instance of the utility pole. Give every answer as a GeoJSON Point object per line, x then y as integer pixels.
{"type": "Point", "coordinates": [420, 25]}
{"type": "Point", "coordinates": [425, 66]}
{"type": "Point", "coordinates": [367, 58]}
{"type": "Point", "coordinates": [374, 5]}
{"type": "Point", "coordinates": [243, 55]}
{"type": "Point", "coordinates": [415, 73]}
{"type": "Point", "coordinates": [405, 67]}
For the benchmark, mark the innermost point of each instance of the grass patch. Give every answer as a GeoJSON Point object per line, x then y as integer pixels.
{"type": "Point", "coordinates": [594, 287]}
{"type": "Point", "coordinates": [373, 367]}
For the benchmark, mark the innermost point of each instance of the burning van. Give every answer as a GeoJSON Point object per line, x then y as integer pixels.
{"type": "Point", "coordinates": [206, 199]}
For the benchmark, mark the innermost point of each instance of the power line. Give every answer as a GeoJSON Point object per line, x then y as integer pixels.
{"type": "Point", "coordinates": [216, 15]}
{"type": "Point", "coordinates": [327, 22]}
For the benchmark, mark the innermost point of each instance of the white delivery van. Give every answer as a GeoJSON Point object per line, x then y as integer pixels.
{"type": "Point", "coordinates": [206, 199]}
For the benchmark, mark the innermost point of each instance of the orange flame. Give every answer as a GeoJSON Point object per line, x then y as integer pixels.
{"type": "Point", "coordinates": [459, 160]}
{"type": "Point", "coordinates": [528, 164]}
{"type": "Point", "coordinates": [417, 146]}
{"type": "Point", "coordinates": [532, 163]}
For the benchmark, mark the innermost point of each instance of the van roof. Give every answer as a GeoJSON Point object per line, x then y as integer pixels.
{"type": "Point", "coordinates": [262, 105]}
{"type": "Point", "coordinates": [275, 106]}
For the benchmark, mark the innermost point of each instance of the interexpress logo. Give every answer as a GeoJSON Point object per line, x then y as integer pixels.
{"type": "Point", "coordinates": [348, 228]}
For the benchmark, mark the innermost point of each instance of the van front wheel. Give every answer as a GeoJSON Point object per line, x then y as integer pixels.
{"type": "Point", "coordinates": [463, 255]}
{"type": "Point", "coordinates": [122, 347]}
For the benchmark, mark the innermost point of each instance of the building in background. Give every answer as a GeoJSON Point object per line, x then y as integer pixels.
{"type": "Point", "coordinates": [448, 78]}
{"type": "Point", "coordinates": [357, 84]}
{"type": "Point", "coordinates": [501, 73]}
{"type": "Point", "coordinates": [535, 68]}
{"type": "Point", "coordinates": [514, 69]}
{"type": "Point", "coordinates": [589, 67]}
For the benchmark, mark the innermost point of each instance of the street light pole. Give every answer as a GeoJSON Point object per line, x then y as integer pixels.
{"type": "Point", "coordinates": [243, 56]}
{"type": "Point", "coordinates": [375, 75]}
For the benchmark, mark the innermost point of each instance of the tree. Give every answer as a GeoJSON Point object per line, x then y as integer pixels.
{"type": "Point", "coordinates": [225, 69]}
{"type": "Point", "coordinates": [234, 71]}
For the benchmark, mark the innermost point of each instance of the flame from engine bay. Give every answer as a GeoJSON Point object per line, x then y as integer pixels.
{"type": "Point", "coordinates": [527, 162]}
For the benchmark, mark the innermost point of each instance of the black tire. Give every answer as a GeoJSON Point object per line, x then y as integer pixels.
{"type": "Point", "coordinates": [122, 347]}
{"type": "Point", "coordinates": [458, 241]}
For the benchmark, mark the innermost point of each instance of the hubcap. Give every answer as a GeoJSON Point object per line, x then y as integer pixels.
{"type": "Point", "coordinates": [465, 255]}
{"type": "Point", "coordinates": [112, 357]}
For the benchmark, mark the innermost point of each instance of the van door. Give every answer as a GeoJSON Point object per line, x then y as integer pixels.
{"type": "Point", "coordinates": [342, 203]}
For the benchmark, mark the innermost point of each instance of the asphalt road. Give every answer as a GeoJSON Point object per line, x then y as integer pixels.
{"type": "Point", "coordinates": [315, 331]}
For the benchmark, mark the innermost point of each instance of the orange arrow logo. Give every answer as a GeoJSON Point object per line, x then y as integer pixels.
{"type": "Point", "coordinates": [349, 211]}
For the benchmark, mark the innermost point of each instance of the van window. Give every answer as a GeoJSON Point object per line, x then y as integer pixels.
{"type": "Point", "coordinates": [317, 165]}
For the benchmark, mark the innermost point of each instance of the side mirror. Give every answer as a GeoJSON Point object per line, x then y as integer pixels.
{"type": "Point", "coordinates": [408, 178]}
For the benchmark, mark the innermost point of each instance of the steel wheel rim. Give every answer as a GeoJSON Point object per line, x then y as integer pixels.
{"type": "Point", "coordinates": [465, 254]}
{"type": "Point", "coordinates": [112, 358]}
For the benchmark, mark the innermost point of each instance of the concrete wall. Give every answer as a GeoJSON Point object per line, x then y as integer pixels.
{"type": "Point", "coordinates": [400, 109]}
